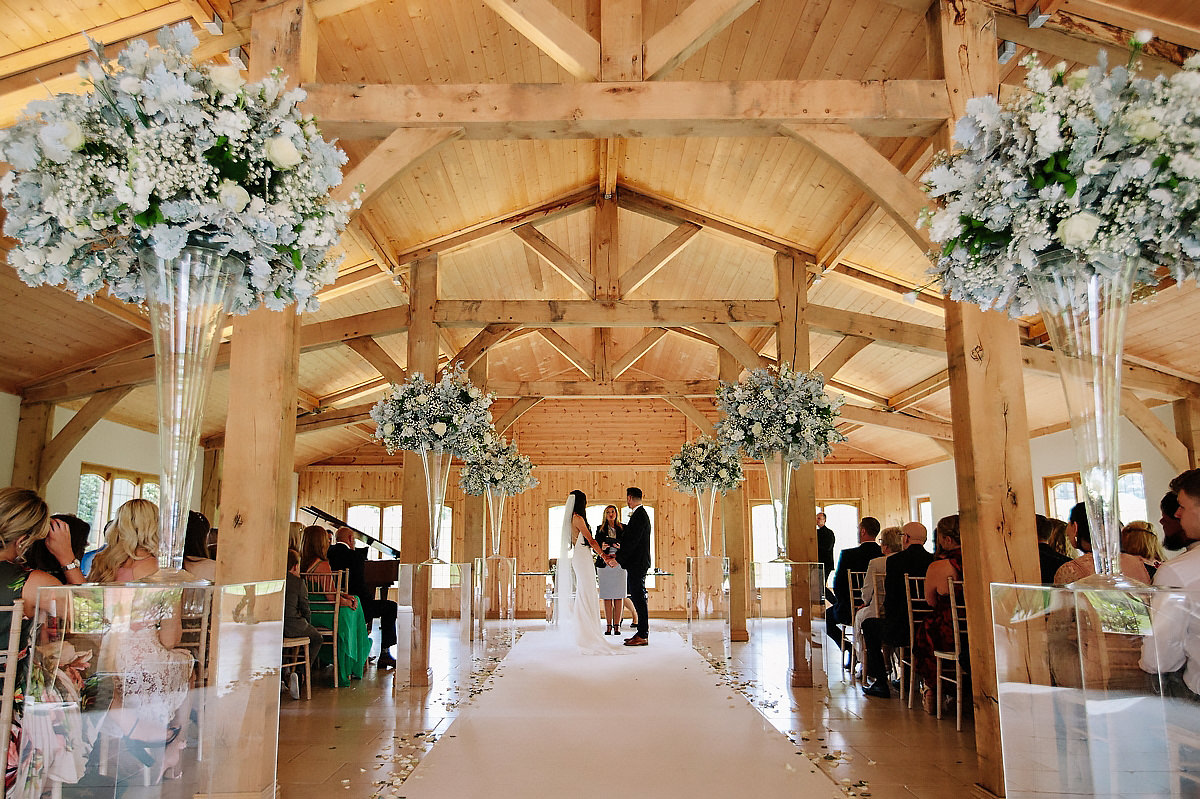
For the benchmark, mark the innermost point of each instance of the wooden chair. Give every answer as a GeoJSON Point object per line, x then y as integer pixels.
{"type": "Point", "coordinates": [16, 613]}
{"type": "Point", "coordinates": [194, 619]}
{"type": "Point", "coordinates": [296, 654]}
{"type": "Point", "coordinates": [953, 657]}
{"type": "Point", "coordinates": [918, 609]}
{"type": "Point", "coordinates": [857, 579]}
{"type": "Point", "coordinates": [325, 592]}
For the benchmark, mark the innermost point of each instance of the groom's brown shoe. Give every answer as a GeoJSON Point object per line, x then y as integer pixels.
{"type": "Point", "coordinates": [637, 640]}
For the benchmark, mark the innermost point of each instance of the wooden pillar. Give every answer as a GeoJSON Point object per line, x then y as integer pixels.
{"type": "Point", "coordinates": [792, 293]}
{"type": "Point", "coordinates": [737, 542]}
{"type": "Point", "coordinates": [423, 344]}
{"type": "Point", "coordinates": [33, 434]}
{"type": "Point", "coordinates": [987, 395]}
{"type": "Point", "coordinates": [475, 543]}
{"type": "Point", "coordinates": [210, 484]}
{"type": "Point", "coordinates": [1187, 426]}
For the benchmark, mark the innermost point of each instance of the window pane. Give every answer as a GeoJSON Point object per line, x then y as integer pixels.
{"type": "Point", "coordinates": [392, 517]}
{"type": "Point", "coordinates": [763, 549]}
{"type": "Point", "coordinates": [1062, 499]}
{"type": "Point", "coordinates": [150, 492]}
{"type": "Point", "coordinates": [365, 518]}
{"type": "Point", "coordinates": [925, 513]}
{"type": "Point", "coordinates": [91, 490]}
{"type": "Point", "coordinates": [842, 518]}
{"type": "Point", "coordinates": [441, 576]}
{"type": "Point", "coordinates": [1131, 497]}
{"type": "Point", "coordinates": [123, 490]}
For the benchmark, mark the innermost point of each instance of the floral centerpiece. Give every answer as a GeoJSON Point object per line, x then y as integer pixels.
{"type": "Point", "coordinates": [703, 467]}
{"type": "Point", "coordinates": [183, 186]}
{"type": "Point", "coordinates": [784, 418]}
{"type": "Point", "coordinates": [1067, 198]}
{"type": "Point", "coordinates": [162, 148]}
{"type": "Point", "coordinates": [498, 471]}
{"type": "Point", "coordinates": [438, 421]}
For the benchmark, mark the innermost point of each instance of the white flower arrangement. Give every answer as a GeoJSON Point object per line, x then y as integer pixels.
{"type": "Point", "coordinates": [704, 462]}
{"type": "Point", "coordinates": [497, 465]}
{"type": "Point", "coordinates": [162, 148]}
{"type": "Point", "coordinates": [779, 410]}
{"type": "Point", "coordinates": [1102, 163]}
{"type": "Point", "coordinates": [450, 417]}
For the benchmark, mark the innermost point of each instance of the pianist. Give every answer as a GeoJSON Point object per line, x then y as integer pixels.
{"type": "Point", "coordinates": [343, 555]}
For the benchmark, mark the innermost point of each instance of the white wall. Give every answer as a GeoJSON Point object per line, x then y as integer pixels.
{"type": "Point", "coordinates": [1051, 455]}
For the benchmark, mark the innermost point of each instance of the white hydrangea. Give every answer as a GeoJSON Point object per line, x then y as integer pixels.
{"type": "Point", "coordinates": [779, 410]}
{"type": "Point", "coordinates": [446, 417]}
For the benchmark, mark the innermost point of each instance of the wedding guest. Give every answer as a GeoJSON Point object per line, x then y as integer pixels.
{"type": "Point", "coordinates": [295, 535]}
{"type": "Point", "coordinates": [1050, 559]}
{"type": "Point", "coordinates": [195, 548]}
{"type": "Point", "coordinates": [344, 556]}
{"type": "Point", "coordinates": [1058, 539]}
{"type": "Point", "coordinates": [297, 617]}
{"type": "Point", "coordinates": [38, 556]}
{"type": "Point", "coordinates": [354, 642]}
{"type": "Point", "coordinates": [854, 559]}
{"type": "Point", "coordinates": [912, 562]}
{"type": "Point", "coordinates": [937, 631]}
{"type": "Point", "coordinates": [891, 540]}
{"type": "Point", "coordinates": [1139, 539]}
{"type": "Point", "coordinates": [1174, 537]}
{"type": "Point", "coordinates": [614, 580]}
{"type": "Point", "coordinates": [1080, 534]}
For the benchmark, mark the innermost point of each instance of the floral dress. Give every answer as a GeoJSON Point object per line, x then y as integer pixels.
{"type": "Point", "coordinates": [936, 633]}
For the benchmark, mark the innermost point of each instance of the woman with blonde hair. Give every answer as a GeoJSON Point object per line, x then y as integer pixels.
{"type": "Point", "coordinates": [131, 545]}
{"type": "Point", "coordinates": [1139, 539]}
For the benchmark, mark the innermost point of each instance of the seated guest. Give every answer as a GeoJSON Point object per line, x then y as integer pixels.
{"type": "Point", "coordinates": [890, 541]}
{"type": "Point", "coordinates": [1173, 647]}
{"type": "Point", "coordinates": [1174, 537]}
{"type": "Point", "coordinates": [195, 548]}
{"type": "Point", "coordinates": [1050, 559]}
{"type": "Point", "coordinates": [152, 676]}
{"type": "Point", "coordinates": [38, 556]}
{"type": "Point", "coordinates": [911, 562]}
{"type": "Point", "coordinates": [295, 535]}
{"type": "Point", "coordinates": [343, 555]}
{"type": "Point", "coordinates": [297, 618]}
{"type": "Point", "coordinates": [1058, 540]}
{"type": "Point", "coordinates": [936, 632]}
{"type": "Point", "coordinates": [854, 559]}
{"type": "Point", "coordinates": [1139, 539]}
{"type": "Point", "coordinates": [354, 643]}
{"type": "Point", "coordinates": [1080, 534]}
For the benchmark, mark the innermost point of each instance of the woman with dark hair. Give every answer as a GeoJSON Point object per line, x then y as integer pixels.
{"type": "Point", "coordinates": [579, 616]}
{"type": "Point", "coordinates": [1080, 533]}
{"type": "Point", "coordinates": [937, 631]}
{"type": "Point", "coordinates": [38, 555]}
{"type": "Point", "coordinates": [195, 548]}
{"type": "Point", "coordinates": [614, 582]}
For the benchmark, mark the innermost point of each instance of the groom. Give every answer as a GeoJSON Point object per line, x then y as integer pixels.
{"type": "Point", "coordinates": [634, 557]}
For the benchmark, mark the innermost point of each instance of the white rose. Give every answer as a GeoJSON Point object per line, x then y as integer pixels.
{"type": "Point", "coordinates": [438, 428]}
{"type": "Point", "coordinates": [130, 85]}
{"type": "Point", "coordinates": [233, 196]}
{"type": "Point", "coordinates": [60, 139]}
{"type": "Point", "coordinates": [226, 79]}
{"type": "Point", "coordinates": [756, 429]}
{"type": "Point", "coordinates": [1093, 166]}
{"type": "Point", "coordinates": [389, 428]}
{"type": "Point", "coordinates": [421, 399]}
{"type": "Point", "coordinates": [281, 152]}
{"type": "Point", "coordinates": [1141, 125]}
{"type": "Point", "coordinates": [1077, 79]}
{"type": "Point", "coordinates": [1078, 229]}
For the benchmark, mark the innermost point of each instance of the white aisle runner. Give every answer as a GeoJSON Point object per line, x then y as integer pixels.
{"type": "Point", "coordinates": [650, 721]}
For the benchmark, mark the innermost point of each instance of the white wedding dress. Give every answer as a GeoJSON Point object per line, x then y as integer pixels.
{"type": "Point", "coordinates": [579, 616]}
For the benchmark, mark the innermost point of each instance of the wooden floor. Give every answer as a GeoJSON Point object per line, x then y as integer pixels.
{"type": "Point", "coordinates": [363, 740]}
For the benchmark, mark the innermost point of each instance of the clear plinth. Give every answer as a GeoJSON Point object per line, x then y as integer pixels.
{"type": "Point", "coordinates": [1093, 693]}
{"type": "Point", "coordinates": [152, 690]}
{"type": "Point", "coordinates": [443, 604]}
{"type": "Point", "coordinates": [787, 597]}
{"type": "Point", "coordinates": [708, 606]}
{"type": "Point", "coordinates": [496, 600]}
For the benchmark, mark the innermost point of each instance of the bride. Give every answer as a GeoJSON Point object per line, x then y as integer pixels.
{"type": "Point", "coordinates": [579, 619]}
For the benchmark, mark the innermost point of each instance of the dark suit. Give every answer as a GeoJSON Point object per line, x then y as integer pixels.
{"type": "Point", "coordinates": [912, 562]}
{"type": "Point", "coordinates": [826, 541]}
{"type": "Point", "coordinates": [852, 560]}
{"type": "Point", "coordinates": [354, 561]}
{"type": "Point", "coordinates": [634, 557]}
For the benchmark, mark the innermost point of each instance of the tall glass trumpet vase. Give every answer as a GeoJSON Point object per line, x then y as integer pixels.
{"type": "Point", "coordinates": [188, 298]}
{"type": "Point", "coordinates": [779, 483]}
{"type": "Point", "coordinates": [706, 502]}
{"type": "Point", "coordinates": [1085, 317]}
{"type": "Point", "coordinates": [497, 599]}
{"type": "Point", "coordinates": [437, 475]}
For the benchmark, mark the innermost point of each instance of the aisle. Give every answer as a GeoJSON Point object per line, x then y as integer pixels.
{"type": "Point", "coordinates": [652, 721]}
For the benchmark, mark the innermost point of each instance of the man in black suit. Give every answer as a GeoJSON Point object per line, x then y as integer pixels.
{"type": "Point", "coordinates": [892, 627]}
{"type": "Point", "coordinates": [634, 557]}
{"type": "Point", "coordinates": [826, 541]}
{"type": "Point", "coordinates": [343, 555]}
{"type": "Point", "coordinates": [852, 560]}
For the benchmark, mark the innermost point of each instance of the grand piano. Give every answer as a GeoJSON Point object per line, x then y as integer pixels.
{"type": "Point", "coordinates": [380, 575]}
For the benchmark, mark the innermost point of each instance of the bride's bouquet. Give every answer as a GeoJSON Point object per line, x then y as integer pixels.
{"type": "Point", "coordinates": [160, 149]}
{"type": "Point", "coordinates": [704, 462]}
{"type": "Point", "coordinates": [779, 410]}
{"type": "Point", "coordinates": [496, 465]}
{"type": "Point", "coordinates": [449, 417]}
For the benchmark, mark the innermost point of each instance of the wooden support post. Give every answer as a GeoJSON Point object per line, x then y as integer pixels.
{"type": "Point", "coordinates": [1187, 426]}
{"type": "Point", "coordinates": [734, 512]}
{"type": "Point", "coordinates": [210, 484]}
{"type": "Point", "coordinates": [414, 544]}
{"type": "Point", "coordinates": [987, 395]}
{"type": "Point", "coordinates": [33, 434]}
{"type": "Point", "coordinates": [792, 293]}
{"type": "Point", "coordinates": [473, 507]}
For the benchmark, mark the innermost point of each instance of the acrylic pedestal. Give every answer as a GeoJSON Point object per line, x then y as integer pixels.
{"type": "Point", "coordinates": [495, 600]}
{"type": "Point", "coordinates": [778, 587]}
{"type": "Point", "coordinates": [1079, 717]}
{"type": "Point", "coordinates": [708, 606]}
{"type": "Point", "coordinates": [110, 709]}
{"type": "Point", "coordinates": [443, 600]}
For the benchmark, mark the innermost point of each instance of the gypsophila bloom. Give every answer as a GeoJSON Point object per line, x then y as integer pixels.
{"type": "Point", "coordinates": [1103, 163]}
{"type": "Point", "coordinates": [450, 417]}
{"type": "Point", "coordinates": [778, 410]}
{"type": "Point", "coordinates": [705, 461]}
{"type": "Point", "coordinates": [162, 148]}
{"type": "Point", "coordinates": [496, 465]}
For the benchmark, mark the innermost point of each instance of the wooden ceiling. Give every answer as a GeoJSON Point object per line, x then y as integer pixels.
{"type": "Point", "coordinates": [516, 157]}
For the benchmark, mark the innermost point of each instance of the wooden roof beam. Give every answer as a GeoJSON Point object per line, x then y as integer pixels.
{"type": "Point", "coordinates": [483, 341]}
{"type": "Point", "coordinates": [840, 355]}
{"type": "Point", "coordinates": [897, 421]}
{"type": "Point", "coordinates": [631, 109]}
{"type": "Point", "coordinates": [59, 447]}
{"type": "Point", "coordinates": [557, 258]}
{"type": "Point", "coordinates": [554, 33]}
{"type": "Point", "coordinates": [390, 158]}
{"type": "Point", "coordinates": [609, 313]}
{"type": "Point", "coordinates": [615, 389]}
{"type": "Point", "coordinates": [650, 263]}
{"type": "Point", "coordinates": [726, 338]}
{"type": "Point", "coordinates": [515, 412]}
{"type": "Point", "coordinates": [370, 351]}
{"type": "Point", "coordinates": [690, 30]}
{"type": "Point", "coordinates": [635, 353]}
{"type": "Point", "coordinates": [568, 351]}
{"type": "Point", "coordinates": [694, 414]}
{"type": "Point", "coordinates": [915, 393]}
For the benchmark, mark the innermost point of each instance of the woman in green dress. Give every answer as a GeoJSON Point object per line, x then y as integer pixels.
{"type": "Point", "coordinates": [354, 642]}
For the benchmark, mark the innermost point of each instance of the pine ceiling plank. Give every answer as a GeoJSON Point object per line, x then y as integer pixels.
{"type": "Point", "coordinates": [554, 33]}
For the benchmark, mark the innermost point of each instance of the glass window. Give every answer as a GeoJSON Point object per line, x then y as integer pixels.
{"type": "Point", "coordinates": [123, 490]}
{"type": "Point", "coordinates": [102, 491]}
{"type": "Point", "coordinates": [925, 513]}
{"type": "Point", "coordinates": [841, 516]}
{"type": "Point", "coordinates": [1131, 494]}
{"type": "Point", "coordinates": [1062, 494]}
{"type": "Point", "coordinates": [91, 497]}
{"type": "Point", "coordinates": [381, 520]}
{"type": "Point", "coordinates": [763, 547]}
{"type": "Point", "coordinates": [393, 516]}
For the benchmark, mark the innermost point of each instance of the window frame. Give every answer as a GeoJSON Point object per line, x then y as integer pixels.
{"type": "Point", "coordinates": [1076, 478]}
{"type": "Point", "coordinates": [108, 475]}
